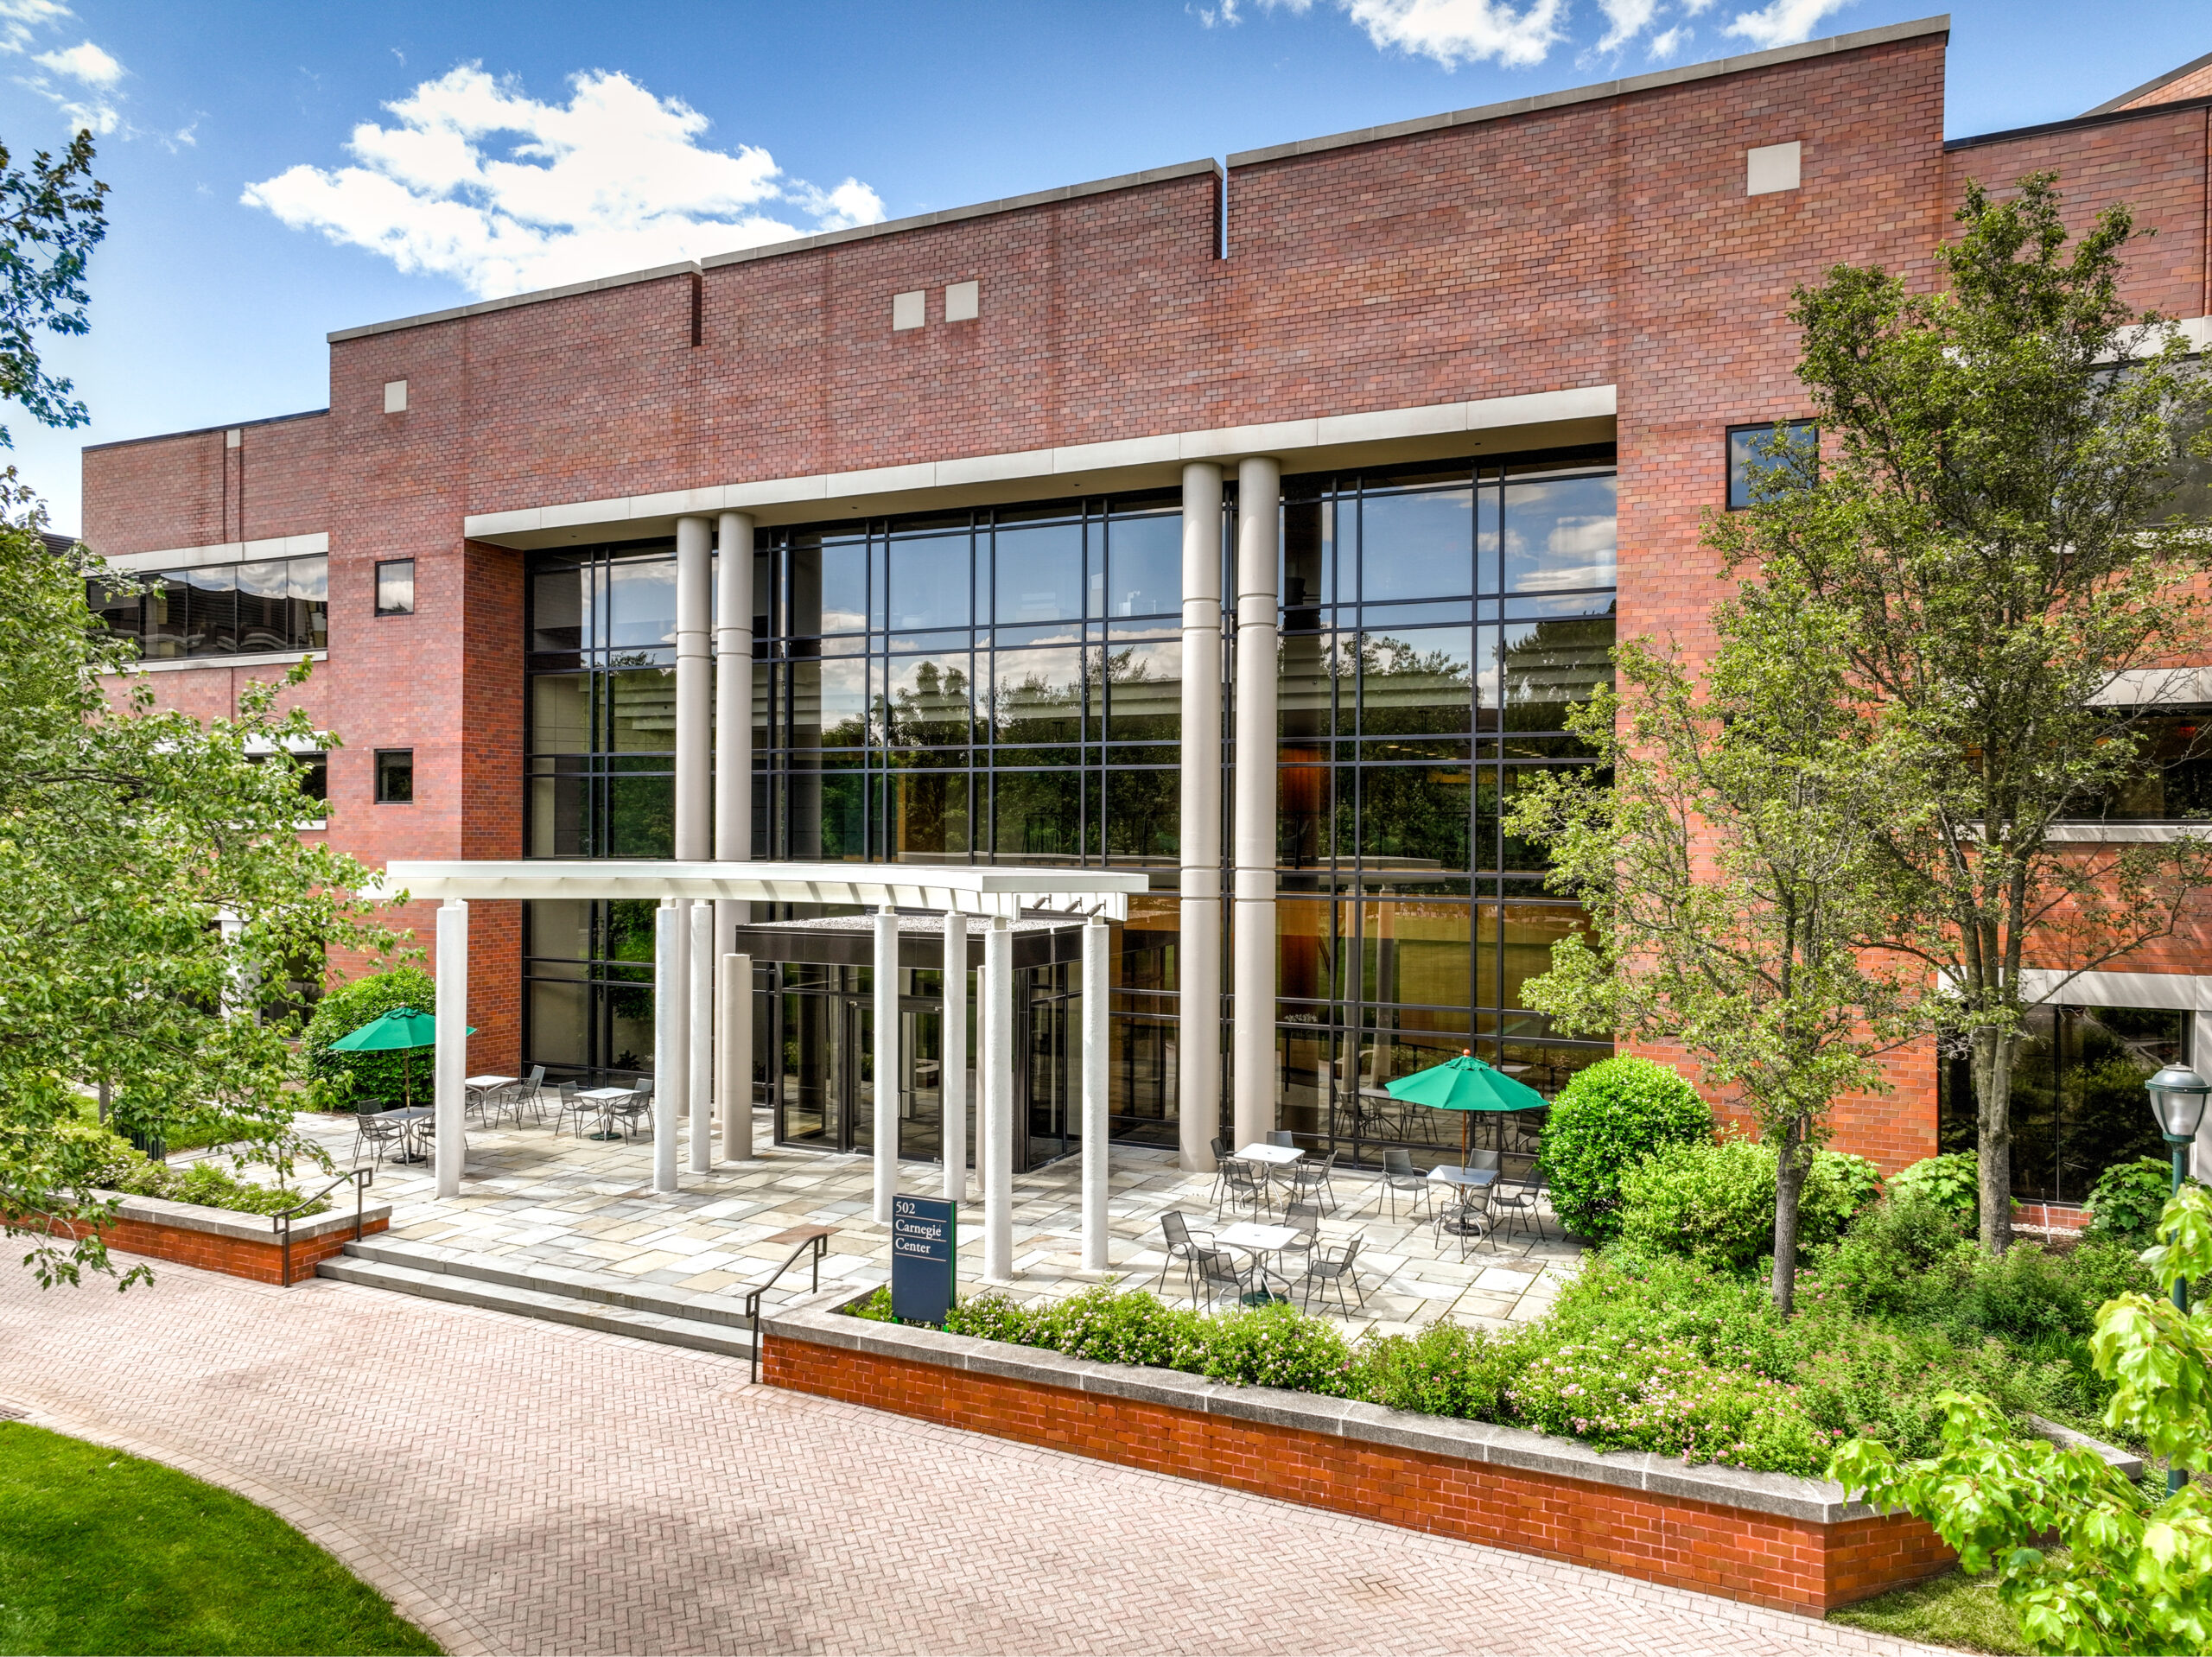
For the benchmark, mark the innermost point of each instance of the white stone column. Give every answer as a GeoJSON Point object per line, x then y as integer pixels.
{"type": "Point", "coordinates": [998, 1103]}
{"type": "Point", "coordinates": [1094, 995]}
{"type": "Point", "coordinates": [734, 756]}
{"type": "Point", "coordinates": [1252, 1013]}
{"type": "Point", "coordinates": [1198, 953]}
{"type": "Point", "coordinates": [694, 689]}
{"type": "Point", "coordinates": [952, 1052]}
{"type": "Point", "coordinates": [699, 1064]}
{"type": "Point", "coordinates": [671, 1037]}
{"type": "Point", "coordinates": [449, 1062]}
{"type": "Point", "coordinates": [733, 1063]}
{"type": "Point", "coordinates": [886, 1061]}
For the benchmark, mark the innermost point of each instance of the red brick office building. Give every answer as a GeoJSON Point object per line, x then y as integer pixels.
{"type": "Point", "coordinates": [1487, 362]}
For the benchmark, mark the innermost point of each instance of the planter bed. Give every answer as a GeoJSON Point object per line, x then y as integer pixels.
{"type": "Point", "coordinates": [1769, 1538]}
{"type": "Point", "coordinates": [237, 1245]}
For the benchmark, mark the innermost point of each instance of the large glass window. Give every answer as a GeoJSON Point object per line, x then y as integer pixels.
{"type": "Point", "coordinates": [260, 608]}
{"type": "Point", "coordinates": [2078, 1104]}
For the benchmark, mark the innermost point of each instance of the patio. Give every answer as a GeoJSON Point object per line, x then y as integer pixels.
{"type": "Point", "coordinates": [531, 1198]}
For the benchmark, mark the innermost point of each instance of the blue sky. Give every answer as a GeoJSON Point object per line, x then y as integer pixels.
{"type": "Point", "coordinates": [266, 190]}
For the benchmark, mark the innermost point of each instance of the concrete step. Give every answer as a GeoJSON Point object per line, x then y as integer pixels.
{"type": "Point", "coordinates": [580, 1299]}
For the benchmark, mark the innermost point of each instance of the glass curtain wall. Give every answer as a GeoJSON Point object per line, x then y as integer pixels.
{"type": "Point", "coordinates": [1438, 623]}
{"type": "Point", "coordinates": [2078, 1104]}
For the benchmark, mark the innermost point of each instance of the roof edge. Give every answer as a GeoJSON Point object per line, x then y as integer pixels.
{"type": "Point", "coordinates": [2112, 105]}
{"type": "Point", "coordinates": [793, 245]}
{"type": "Point", "coordinates": [1939, 24]}
{"type": "Point", "coordinates": [2149, 111]}
{"type": "Point", "coordinates": [205, 431]}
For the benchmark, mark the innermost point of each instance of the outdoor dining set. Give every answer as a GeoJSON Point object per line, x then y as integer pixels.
{"type": "Point", "coordinates": [608, 1113]}
{"type": "Point", "coordinates": [1256, 1261]}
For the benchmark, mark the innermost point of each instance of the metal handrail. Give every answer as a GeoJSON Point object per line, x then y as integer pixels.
{"type": "Point", "coordinates": [819, 1242]}
{"type": "Point", "coordinates": [362, 1179]}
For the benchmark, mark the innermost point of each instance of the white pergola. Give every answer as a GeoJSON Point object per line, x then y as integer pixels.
{"type": "Point", "coordinates": [700, 1068]}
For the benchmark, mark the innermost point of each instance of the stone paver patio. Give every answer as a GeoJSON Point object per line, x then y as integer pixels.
{"type": "Point", "coordinates": [572, 1203]}
{"type": "Point", "coordinates": [522, 1487]}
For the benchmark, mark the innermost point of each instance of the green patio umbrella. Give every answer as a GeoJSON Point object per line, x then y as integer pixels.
{"type": "Point", "coordinates": [1465, 1083]}
{"type": "Point", "coordinates": [400, 1031]}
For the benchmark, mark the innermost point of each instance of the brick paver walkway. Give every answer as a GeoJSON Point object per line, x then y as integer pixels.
{"type": "Point", "coordinates": [524, 1487]}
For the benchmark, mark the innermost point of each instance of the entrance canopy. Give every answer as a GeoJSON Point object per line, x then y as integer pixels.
{"type": "Point", "coordinates": [990, 892]}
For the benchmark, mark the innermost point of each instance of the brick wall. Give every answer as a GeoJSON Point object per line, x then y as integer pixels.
{"type": "Point", "coordinates": [1788, 1565]}
{"type": "Point", "coordinates": [261, 1261]}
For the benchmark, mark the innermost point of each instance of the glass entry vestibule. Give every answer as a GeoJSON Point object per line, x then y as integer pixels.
{"type": "Point", "coordinates": [814, 1022]}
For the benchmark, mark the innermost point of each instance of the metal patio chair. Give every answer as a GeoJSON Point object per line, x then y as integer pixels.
{"type": "Point", "coordinates": [1399, 1174]}
{"type": "Point", "coordinates": [1245, 1181]}
{"type": "Point", "coordinates": [1220, 1271]}
{"type": "Point", "coordinates": [636, 1109]}
{"type": "Point", "coordinates": [371, 1131]}
{"type": "Point", "coordinates": [1184, 1245]}
{"type": "Point", "coordinates": [1307, 1181]}
{"type": "Point", "coordinates": [1516, 1200]}
{"type": "Point", "coordinates": [1325, 1274]}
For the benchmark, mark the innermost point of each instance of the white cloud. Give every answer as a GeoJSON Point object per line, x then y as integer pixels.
{"type": "Point", "coordinates": [1624, 20]}
{"type": "Point", "coordinates": [19, 20]}
{"type": "Point", "coordinates": [478, 182]}
{"type": "Point", "coordinates": [1451, 32]}
{"type": "Point", "coordinates": [1783, 22]}
{"type": "Point", "coordinates": [84, 62]}
{"type": "Point", "coordinates": [1664, 45]}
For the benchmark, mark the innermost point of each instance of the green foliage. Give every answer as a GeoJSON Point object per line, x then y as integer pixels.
{"type": "Point", "coordinates": [1444, 1369]}
{"type": "Point", "coordinates": [51, 218]}
{"type": "Point", "coordinates": [1952, 1183]}
{"type": "Point", "coordinates": [1605, 1121]}
{"type": "Point", "coordinates": [1989, 526]}
{"type": "Point", "coordinates": [1712, 1200]}
{"type": "Point", "coordinates": [103, 1552]}
{"type": "Point", "coordinates": [2126, 1201]}
{"type": "Point", "coordinates": [343, 1079]}
{"type": "Point", "coordinates": [2130, 1572]}
{"type": "Point", "coordinates": [110, 1163]}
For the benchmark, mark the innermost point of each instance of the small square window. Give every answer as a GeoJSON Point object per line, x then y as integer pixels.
{"type": "Point", "coordinates": [396, 587]}
{"type": "Point", "coordinates": [1746, 459]}
{"type": "Point", "coordinates": [395, 776]}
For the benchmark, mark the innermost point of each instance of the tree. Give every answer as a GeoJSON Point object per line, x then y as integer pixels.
{"type": "Point", "coordinates": [1984, 519]}
{"type": "Point", "coordinates": [2130, 1573]}
{"type": "Point", "coordinates": [148, 863]}
{"type": "Point", "coordinates": [1732, 874]}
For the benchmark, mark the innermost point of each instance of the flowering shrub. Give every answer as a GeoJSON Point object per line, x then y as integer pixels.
{"type": "Point", "coordinates": [1619, 1390]}
{"type": "Point", "coordinates": [1278, 1345]}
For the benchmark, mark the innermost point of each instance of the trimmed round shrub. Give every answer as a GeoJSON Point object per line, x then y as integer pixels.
{"type": "Point", "coordinates": [1712, 1201]}
{"type": "Point", "coordinates": [342, 1078]}
{"type": "Point", "coordinates": [1604, 1123]}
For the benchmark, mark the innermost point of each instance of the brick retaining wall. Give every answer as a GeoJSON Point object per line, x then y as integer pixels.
{"type": "Point", "coordinates": [1787, 1543]}
{"type": "Point", "coordinates": [237, 1245]}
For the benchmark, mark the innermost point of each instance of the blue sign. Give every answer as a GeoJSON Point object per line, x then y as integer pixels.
{"type": "Point", "coordinates": [925, 1247]}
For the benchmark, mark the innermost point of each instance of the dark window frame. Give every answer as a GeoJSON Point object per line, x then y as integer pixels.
{"type": "Point", "coordinates": [1728, 454]}
{"type": "Point", "coordinates": [382, 770]}
{"type": "Point", "coordinates": [376, 590]}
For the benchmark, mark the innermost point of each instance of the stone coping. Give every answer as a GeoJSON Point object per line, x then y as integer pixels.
{"type": "Point", "coordinates": [229, 1223]}
{"type": "Point", "coordinates": [822, 1320]}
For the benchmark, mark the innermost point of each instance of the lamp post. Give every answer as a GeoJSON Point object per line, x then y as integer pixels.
{"type": "Point", "coordinates": [2177, 1096]}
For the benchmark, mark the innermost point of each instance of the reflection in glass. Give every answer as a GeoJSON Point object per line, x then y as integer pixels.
{"type": "Point", "coordinates": [1037, 816]}
{"type": "Point", "coordinates": [560, 713]}
{"type": "Point", "coordinates": [557, 609]}
{"type": "Point", "coordinates": [1039, 573]}
{"type": "Point", "coordinates": [308, 600]}
{"type": "Point", "coordinates": [1037, 696]}
{"type": "Point", "coordinates": [214, 625]}
{"type": "Point", "coordinates": [1524, 935]}
{"type": "Point", "coordinates": [1142, 808]}
{"type": "Point", "coordinates": [929, 706]}
{"type": "Point", "coordinates": [1414, 818]}
{"type": "Point", "coordinates": [1309, 559]}
{"type": "Point", "coordinates": [1144, 689]}
{"type": "Point", "coordinates": [1144, 565]}
{"type": "Point", "coordinates": [1418, 546]}
{"type": "Point", "coordinates": [929, 579]}
{"type": "Point", "coordinates": [1545, 667]}
{"type": "Point", "coordinates": [262, 624]}
{"type": "Point", "coordinates": [641, 710]}
{"type": "Point", "coordinates": [1417, 682]}
{"type": "Point", "coordinates": [640, 604]}
{"type": "Point", "coordinates": [928, 817]}
{"type": "Point", "coordinates": [1558, 535]}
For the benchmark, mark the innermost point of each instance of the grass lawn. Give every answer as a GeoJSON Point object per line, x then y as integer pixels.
{"type": "Point", "coordinates": [1952, 1609]}
{"type": "Point", "coordinates": [100, 1551]}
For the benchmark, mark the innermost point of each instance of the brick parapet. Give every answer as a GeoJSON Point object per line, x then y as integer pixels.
{"type": "Point", "coordinates": [1790, 1543]}
{"type": "Point", "coordinates": [217, 1240]}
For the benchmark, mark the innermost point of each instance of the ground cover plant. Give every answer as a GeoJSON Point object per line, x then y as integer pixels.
{"type": "Point", "coordinates": [113, 1165]}
{"type": "Point", "coordinates": [100, 1551]}
{"type": "Point", "coordinates": [1678, 1351]}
